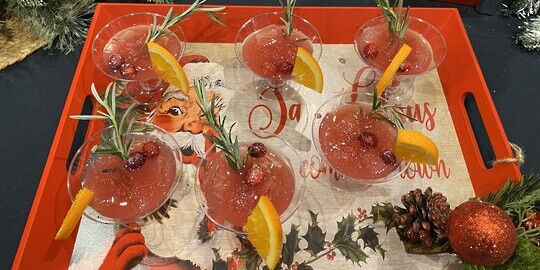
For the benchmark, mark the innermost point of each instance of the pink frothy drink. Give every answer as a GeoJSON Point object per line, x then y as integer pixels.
{"type": "Point", "coordinates": [230, 199]}
{"type": "Point", "coordinates": [356, 144]}
{"type": "Point", "coordinates": [271, 53]}
{"type": "Point", "coordinates": [124, 195]}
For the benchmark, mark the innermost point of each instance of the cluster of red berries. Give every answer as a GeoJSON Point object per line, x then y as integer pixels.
{"type": "Point", "coordinates": [330, 256]}
{"type": "Point", "coordinates": [271, 69]}
{"type": "Point", "coordinates": [369, 140]}
{"type": "Point", "coordinates": [533, 222]}
{"type": "Point", "coordinates": [362, 213]}
{"type": "Point", "coordinates": [118, 63]}
{"type": "Point", "coordinates": [137, 159]}
{"type": "Point", "coordinates": [370, 51]}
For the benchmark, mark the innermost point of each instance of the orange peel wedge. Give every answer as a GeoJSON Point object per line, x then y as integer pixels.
{"type": "Point", "coordinates": [169, 68]}
{"type": "Point", "coordinates": [83, 198]}
{"type": "Point", "coordinates": [263, 229]}
{"type": "Point", "coordinates": [413, 145]}
{"type": "Point", "coordinates": [390, 72]}
{"type": "Point", "coordinates": [307, 71]}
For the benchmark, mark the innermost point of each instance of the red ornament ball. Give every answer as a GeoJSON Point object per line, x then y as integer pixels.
{"type": "Point", "coordinates": [481, 233]}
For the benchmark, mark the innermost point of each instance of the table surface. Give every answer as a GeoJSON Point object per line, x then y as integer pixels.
{"type": "Point", "coordinates": [34, 92]}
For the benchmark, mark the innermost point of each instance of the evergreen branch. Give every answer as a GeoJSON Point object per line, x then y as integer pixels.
{"type": "Point", "coordinates": [225, 140]}
{"type": "Point", "coordinates": [515, 191]}
{"type": "Point", "coordinates": [397, 23]}
{"type": "Point", "coordinates": [156, 31]}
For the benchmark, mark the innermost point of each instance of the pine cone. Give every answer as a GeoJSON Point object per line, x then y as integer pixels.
{"type": "Point", "coordinates": [423, 218]}
{"type": "Point", "coordinates": [438, 211]}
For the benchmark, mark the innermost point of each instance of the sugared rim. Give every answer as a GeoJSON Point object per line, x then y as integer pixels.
{"type": "Point", "coordinates": [106, 220]}
{"type": "Point", "coordinates": [178, 33]}
{"type": "Point", "coordinates": [383, 19]}
{"type": "Point", "coordinates": [289, 212]}
{"type": "Point", "coordinates": [314, 134]}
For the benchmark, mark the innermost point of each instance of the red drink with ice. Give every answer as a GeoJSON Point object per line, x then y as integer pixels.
{"type": "Point", "coordinates": [125, 195]}
{"type": "Point", "coordinates": [230, 199]}
{"type": "Point", "coordinates": [340, 137]}
{"type": "Point", "coordinates": [270, 52]}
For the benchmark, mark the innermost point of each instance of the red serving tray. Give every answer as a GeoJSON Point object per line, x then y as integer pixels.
{"type": "Point", "coordinates": [460, 75]}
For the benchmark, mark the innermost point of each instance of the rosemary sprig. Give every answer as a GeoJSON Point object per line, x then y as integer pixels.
{"type": "Point", "coordinates": [389, 113]}
{"type": "Point", "coordinates": [122, 122]}
{"type": "Point", "coordinates": [225, 140]}
{"type": "Point", "coordinates": [155, 31]}
{"type": "Point", "coordinates": [287, 8]}
{"type": "Point", "coordinates": [396, 22]}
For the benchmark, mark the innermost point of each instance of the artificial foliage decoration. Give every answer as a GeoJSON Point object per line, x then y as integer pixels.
{"type": "Point", "coordinates": [62, 24]}
{"type": "Point", "coordinates": [528, 34]}
{"type": "Point", "coordinates": [350, 240]}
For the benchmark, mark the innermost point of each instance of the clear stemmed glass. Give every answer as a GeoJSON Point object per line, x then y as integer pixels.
{"type": "Point", "coordinates": [377, 46]}
{"type": "Point", "coordinates": [122, 196]}
{"type": "Point", "coordinates": [119, 51]}
{"type": "Point", "coordinates": [263, 47]}
{"type": "Point", "coordinates": [355, 143]}
{"type": "Point", "coordinates": [227, 198]}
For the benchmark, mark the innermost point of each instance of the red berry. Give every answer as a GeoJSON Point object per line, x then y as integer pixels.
{"type": "Point", "coordinates": [257, 150]}
{"type": "Point", "coordinates": [285, 68]}
{"type": "Point", "coordinates": [388, 157]}
{"type": "Point", "coordinates": [134, 161]}
{"type": "Point", "coordinates": [115, 62]}
{"type": "Point", "coordinates": [128, 70]}
{"type": "Point", "coordinates": [368, 139]}
{"type": "Point", "coordinates": [333, 254]}
{"type": "Point", "coordinates": [151, 149]}
{"type": "Point", "coordinates": [269, 69]}
{"type": "Point", "coordinates": [405, 66]}
{"type": "Point", "coordinates": [329, 257]}
{"type": "Point", "coordinates": [254, 176]}
{"type": "Point", "coordinates": [370, 51]}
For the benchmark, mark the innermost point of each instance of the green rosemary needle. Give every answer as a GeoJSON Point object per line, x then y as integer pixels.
{"type": "Point", "coordinates": [389, 113]}
{"type": "Point", "coordinates": [225, 140]}
{"type": "Point", "coordinates": [122, 122]}
{"type": "Point", "coordinates": [397, 23]}
{"type": "Point", "coordinates": [155, 31]}
{"type": "Point", "coordinates": [287, 8]}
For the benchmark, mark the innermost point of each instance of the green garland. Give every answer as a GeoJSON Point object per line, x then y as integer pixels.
{"type": "Point", "coordinates": [528, 34]}
{"type": "Point", "coordinates": [62, 24]}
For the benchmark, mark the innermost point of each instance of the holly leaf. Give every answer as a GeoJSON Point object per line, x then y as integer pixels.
{"type": "Point", "coordinates": [218, 263]}
{"type": "Point", "coordinates": [343, 241]}
{"type": "Point", "coordinates": [290, 247]}
{"type": "Point", "coordinates": [304, 266]}
{"type": "Point", "coordinates": [369, 236]}
{"type": "Point", "coordinates": [314, 236]}
{"type": "Point", "coordinates": [249, 255]}
{"type": "Point", "coordinates": [383, 213]}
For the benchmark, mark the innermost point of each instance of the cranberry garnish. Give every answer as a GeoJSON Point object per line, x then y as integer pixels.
{"type": "Point", "coordinates": [370, 51]}
{"type": "Point", "coordinates": [128, 70]}
{"type": "Point", "coordinates": [115, 62]}
{"type": "Point", "coordinates": [368, 139]}
{"type": "Point", "coordinates": [405, 66]}
{"type": "Point", "coordinates": [286, 68]}
{"type": "Point", "coordinates": [269, 69]}
{"type": "Point", "coordinates": [254, 175]}
{"type": "Point", "coordinates": [388, 157]}
{"type": "Point", "coordinates": [134, 161]}
{"type": "Point", "coordinates": [257, 150]}
{"type": "Point", "coordinates": [151, 149]}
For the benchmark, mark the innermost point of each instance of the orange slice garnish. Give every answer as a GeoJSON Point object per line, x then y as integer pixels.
{"type": "Point", "coordinates": [307, 71]}
{"type": "Point", "coordinates": [168, 67]}
{"type": "Point", "coordinates": [414, 146]}
{"type": "Point", "coordinates": [263, 230]}
{"type": "Point", "coordinates": [390, 72]}
{"type": "Point", "coordinates": [81, 201]}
